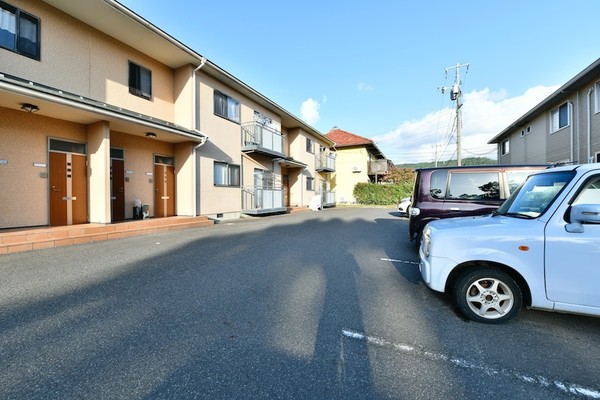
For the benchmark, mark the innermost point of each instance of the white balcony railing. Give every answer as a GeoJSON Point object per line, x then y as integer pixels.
{"type": "Point", "coordinates": [325, 162]}
{"type": "Point", "coordinates": [257, 136]}
{"type": "Point", "coordinates": [258, 200]}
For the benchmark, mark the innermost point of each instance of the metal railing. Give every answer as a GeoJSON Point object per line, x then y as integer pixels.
{"type": "Point", "coordinates": [262, 199]}
{"type": "Point", "coordinates": [257, 135]}
{"type": "Point", "coordinates": [378, 167]}
{"type": "Point", "coordinates": [325, 162]}
{"type": "Point", "coordinates": [327, 198]}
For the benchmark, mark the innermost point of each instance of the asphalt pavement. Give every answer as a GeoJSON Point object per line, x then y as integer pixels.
{"type": "Point", "coordinates": [314, 305]}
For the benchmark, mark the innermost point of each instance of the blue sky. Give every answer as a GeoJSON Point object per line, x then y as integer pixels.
{"type": "Point", "coordinates": [373, 68]}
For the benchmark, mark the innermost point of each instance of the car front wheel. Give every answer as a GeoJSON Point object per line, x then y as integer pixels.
{"type": "Point", "coordinates": [488, 295]}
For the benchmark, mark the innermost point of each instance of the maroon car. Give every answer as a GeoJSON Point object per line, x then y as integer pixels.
{"type": "Point", "coordinates": [462, 191]}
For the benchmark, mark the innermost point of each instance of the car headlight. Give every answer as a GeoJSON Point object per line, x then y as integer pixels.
{"type": "Point", "coordinates": [426, 243]}
{"type": "Point", "coordinates": [414, 211]}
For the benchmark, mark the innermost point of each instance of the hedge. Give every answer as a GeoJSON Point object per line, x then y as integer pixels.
{"type": "Point", "coordinates": [376, 194]}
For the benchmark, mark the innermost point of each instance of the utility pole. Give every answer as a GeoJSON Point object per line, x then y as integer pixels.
{"type": "Point", "coordinates": [456, 95]}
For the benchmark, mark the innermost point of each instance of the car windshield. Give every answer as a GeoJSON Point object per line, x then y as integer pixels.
{"type": "Point", "coordinates": [534, 197]}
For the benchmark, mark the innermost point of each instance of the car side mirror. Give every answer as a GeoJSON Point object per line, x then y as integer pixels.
{"type": "Point", "coordinates": [583, 214]}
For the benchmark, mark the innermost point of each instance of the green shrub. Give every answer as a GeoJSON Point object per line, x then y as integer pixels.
{"type": "Point", "coordinates": [374, 194]}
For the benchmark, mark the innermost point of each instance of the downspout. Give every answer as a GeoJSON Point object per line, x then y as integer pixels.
{"type": "Point", "coordinates": [203, 138]}
{"type": "Point", "coordinates": [589, 125]}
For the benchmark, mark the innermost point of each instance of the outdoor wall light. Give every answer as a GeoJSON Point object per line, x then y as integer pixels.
{"type": "Point", "coordinates": [30, 108]}
{"type": "Point", "coordinates": [150, 134]}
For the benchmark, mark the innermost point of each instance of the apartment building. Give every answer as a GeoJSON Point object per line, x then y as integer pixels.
{"type": "Point", "coordinates": [100, 109]}
{"type": "Point", "coordinates": [358, 160]}
{"type": "Point", "coordinates": [563, 128]}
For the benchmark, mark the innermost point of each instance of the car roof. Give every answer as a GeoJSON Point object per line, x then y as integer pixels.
{"type": "Point", "coordinates": [488, 166]}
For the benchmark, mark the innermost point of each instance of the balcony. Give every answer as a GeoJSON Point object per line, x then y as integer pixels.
{"type": "Point", "coordinates": [325, 162]}
{"type": "Point", "coordinates": [259, 138]}
{"type": "Point", "coordinates": [327, 199]}
{"type": "Point", "coordinates": [378, 167]}
{"type": "Point", "coordinates": [262, 200]}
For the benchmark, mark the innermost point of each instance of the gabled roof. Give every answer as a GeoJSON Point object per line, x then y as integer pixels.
{"type": "Point", "coordinates": [563, 93]}
{"type": "Point", "coordinates": [343, 139]}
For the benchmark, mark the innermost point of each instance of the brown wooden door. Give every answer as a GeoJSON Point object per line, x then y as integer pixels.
{"type": "Point", "coordinates": [58, 189]}
{"type": "Point", "coordinates": [68, 189]}
{"type": "Point", "coordinates": [117, 176]}
{"type": "Point", "coordinates": [164, 190]}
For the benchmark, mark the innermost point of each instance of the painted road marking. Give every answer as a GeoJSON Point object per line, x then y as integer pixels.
{"type": "Point", "coordinates": [399, 261]}
{"type": "Point", "coordinates": [535, 380]}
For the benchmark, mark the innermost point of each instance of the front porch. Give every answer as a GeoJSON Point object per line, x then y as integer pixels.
{"type": "Point", "coordinates": [26, 239]}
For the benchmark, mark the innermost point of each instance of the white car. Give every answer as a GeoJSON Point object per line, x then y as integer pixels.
{"type": "Point", "coordinates": [403, 206]}
{"type": "Point", "coordinates": [540, 249]}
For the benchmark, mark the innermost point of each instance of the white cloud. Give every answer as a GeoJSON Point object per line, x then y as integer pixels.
{"type": "Point", "coordinates": [309, 111]}
{"type": "Point", "coordinates": [364, 87]}
{"type": "Point", "coordinates": [484, 115]}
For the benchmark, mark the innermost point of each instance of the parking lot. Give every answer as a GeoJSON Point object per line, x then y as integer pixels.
{"type": "Point", "coordinates": [326, 304]}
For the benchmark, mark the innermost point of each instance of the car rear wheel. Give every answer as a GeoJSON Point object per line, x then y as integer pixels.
{"type": "Point", "coordinates": [488, 295]}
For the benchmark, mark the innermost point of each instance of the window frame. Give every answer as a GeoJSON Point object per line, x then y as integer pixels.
{"type": "Point", "coordinates": [17, 47]}
{"type": "Point", "coordinates": [231, 174]}
{"type": "Point", "coordinates": [597, 96]}
{"type": "Point", "coordinates": [310, 183]}
{"type": "Point", "coordinates": [555, 118]}
{"type": "Point", "coordinates": [226, 107]}
{"type": "Point", "coordinates": [505, 147]}
{"type": "Point", "coordinates": [136, 81]}
{"type": "Point", "coordinates": [310, 146]}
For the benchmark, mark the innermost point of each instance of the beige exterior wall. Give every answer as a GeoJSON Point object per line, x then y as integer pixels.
{"type": "Point", "coordinates": [90, 64]}
{"type": "Point", "coordinates": [351, 167]}
{"type": "Point", "coordinates": [223, 146]}
{"type": "Point", "coordinates": [24, 138]}
{"type": "Point", "coordinates": [184, 179]}
{"type": "Point", "coordinates": [139, 167]}
{"type": "Point", "coordinates": [96, 66]}
{"type": "Point", "coordinates": [98, 139]}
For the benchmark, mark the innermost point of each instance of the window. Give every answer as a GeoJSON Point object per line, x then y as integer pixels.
{"type": "Point", "coordinates": [310, 146]}
{"type": "Point", "coordinates": [437, 184]}
{"type": "Point", "coordinates": [140, 81]}
{"type": "Point", "coordinates": [226, 107]}
{"type": "Point", "coordinates": [559, 117]}
{"type": "Point", "coordinates": [504, 147]}
{"type": "Point", "coordinates": [474, 186]}
{"type": "Point", "coordinates": [597, 94]}
{"type": "Point", "coordinates": [19, 31]}
{"type": "Point", "coordinates": [310, 183]}
{"type": "Point", "coordinates": [227, 174]}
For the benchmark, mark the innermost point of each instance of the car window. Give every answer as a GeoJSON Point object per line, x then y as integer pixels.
{"type": "Point", "coordinates": [590, 193]}
{"type": "Point", "coordinates": [474, 186]}
{"type": "Point", "coordinates": [437, 185]}
{"type": "Point", "coordinates": [515, 179]}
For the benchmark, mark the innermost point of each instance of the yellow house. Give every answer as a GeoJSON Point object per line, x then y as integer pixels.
{"type": "Point", "coordinates": [358, 160]}
{"type": "Point", "coordinates": [100, 109]}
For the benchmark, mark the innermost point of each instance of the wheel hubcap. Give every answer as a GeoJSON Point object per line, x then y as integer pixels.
{"type": "Point", "coordinates": [490, 298]}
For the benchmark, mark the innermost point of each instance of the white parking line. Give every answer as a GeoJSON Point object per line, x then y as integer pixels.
{"type": "Point", "coordinates": [399, 261]}
{"type": "Point", "coordinates": [537, 380]}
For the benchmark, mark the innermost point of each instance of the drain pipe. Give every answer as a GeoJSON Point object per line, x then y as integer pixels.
{"type": "Point", "coordinates": [203, 138]}
{"type": "Point", "coordinates": [589, 125]}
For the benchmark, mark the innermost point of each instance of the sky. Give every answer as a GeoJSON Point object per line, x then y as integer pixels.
{"type": "Point", "coordinates": [375, 68]}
